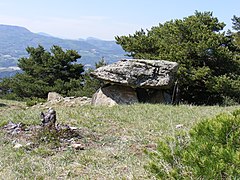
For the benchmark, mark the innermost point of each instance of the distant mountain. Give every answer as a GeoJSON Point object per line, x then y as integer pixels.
{"type": "Point", "coordinates": [15, 39]}
{"type": "Point", "coordinates": [44, 34]}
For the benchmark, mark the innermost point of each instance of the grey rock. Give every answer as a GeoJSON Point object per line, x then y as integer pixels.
{"type": "Point", "coordinates": [139, 73]}
{"type": "Point", "coordinates": [14, 128]}
{"type": "Point", "coordinates": [49, 119]}
{"type": "Point", "coordinates": [53, 96]}
{"type": "Point", "coordinates": [113, 95]}
{"type": "Point", "coordinates": [77, 146]}
{"type": "Point", "coordinates": [178, 126]}
{"type": "Point", "coordinates": [17, 146]}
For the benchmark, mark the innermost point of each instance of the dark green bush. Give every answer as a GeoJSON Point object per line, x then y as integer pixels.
{"type": "Point", "coordinates": [210, 151]}
{"type": "Point", "coordinates": [44, 71]}
{"type": "Point", "coordinates": [33, 101]}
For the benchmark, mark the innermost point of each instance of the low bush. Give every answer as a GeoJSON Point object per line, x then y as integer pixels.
{"type": "Point", "coordinates": [211, 150]}
{"type": "Point", "coordinates": [33, 101]}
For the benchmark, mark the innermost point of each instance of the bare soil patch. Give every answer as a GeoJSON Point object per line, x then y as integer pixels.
{"type": "Point", "coordinates": [60, 138]}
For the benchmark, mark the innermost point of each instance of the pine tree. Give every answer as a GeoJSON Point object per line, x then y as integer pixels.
{"type": "Point", "coordinates": [208, 71]}
{"type": "Point", "coordinates": [45, 71]}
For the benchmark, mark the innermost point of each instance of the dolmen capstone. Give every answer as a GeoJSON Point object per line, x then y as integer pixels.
{"type": "Point", "coordinates": [130, 81]}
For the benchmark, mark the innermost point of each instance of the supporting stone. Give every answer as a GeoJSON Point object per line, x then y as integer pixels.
{"type": "Point", "coordinates": [114, 94]}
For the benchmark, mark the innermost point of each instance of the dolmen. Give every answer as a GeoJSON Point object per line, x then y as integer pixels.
{"type": "Point", "coordinates": [131, 81]}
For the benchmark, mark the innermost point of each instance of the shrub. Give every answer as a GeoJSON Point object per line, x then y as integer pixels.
{"type": "Point", "coordinates": [211, 150]}
{"type": "Point", "coordinates": [33, 101]}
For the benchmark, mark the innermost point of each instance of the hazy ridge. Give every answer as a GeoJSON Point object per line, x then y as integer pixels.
{"type": "Point", "coordinates": [15, 39]}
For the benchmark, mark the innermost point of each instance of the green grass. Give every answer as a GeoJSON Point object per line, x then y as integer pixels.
{"type": "Point", "coordinates": [115, 140]}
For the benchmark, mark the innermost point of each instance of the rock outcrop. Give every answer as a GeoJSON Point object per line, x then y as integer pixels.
{"type": "Point", "coordinates": [135, 80]}
{"type": "Point", "coordinates": [139, 73]}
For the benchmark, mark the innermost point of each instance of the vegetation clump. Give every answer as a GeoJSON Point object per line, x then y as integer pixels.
{"type": "Point", "coordinates": [208, 57]}
{"type": "Point", "coordinates": [44, 72]}
{"type": "Point", "coordinates": [210, 151]}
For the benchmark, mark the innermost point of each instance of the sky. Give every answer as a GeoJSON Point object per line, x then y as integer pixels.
{"type": "Point", "coordinates": [105, 19]}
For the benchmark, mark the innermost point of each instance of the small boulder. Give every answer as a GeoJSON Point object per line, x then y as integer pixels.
{"type": "Point", "coordinates": [77, 146]}
{"type": "Point", "coordinates": [53, 96]}
{"type": "Point", "coordinates": [17, 146]}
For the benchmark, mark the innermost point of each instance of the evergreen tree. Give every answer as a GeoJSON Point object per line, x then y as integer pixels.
{"type": "Point", "coordinates": [90, 84]}
{"type": "Point", "coordinates": [209, 70]}
{"type": "Point", "coordinates": [45, 71]}
{"type": "Point", "coordinates": [236, 23]}
{"type": "Point", "coordinates": [236, 27]}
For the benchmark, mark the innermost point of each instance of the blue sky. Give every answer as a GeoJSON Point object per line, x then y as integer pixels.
{"type": "Point", "coordinates": [105, 19]}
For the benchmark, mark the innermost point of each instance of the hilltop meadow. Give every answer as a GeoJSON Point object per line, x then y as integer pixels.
{"type": "Point", "coordinates": [114, 139]}
{"type": "Point", "coordinates": [137, 141]}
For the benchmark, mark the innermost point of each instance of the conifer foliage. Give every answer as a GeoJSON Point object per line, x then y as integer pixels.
{"type": "Point", "coordinates": [208, 57]}
{"type": "Point", "coordinates": [45, 71]}
{"type": "Point", "coordinates": [210, 151]}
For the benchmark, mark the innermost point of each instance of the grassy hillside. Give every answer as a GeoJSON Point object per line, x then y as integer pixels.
{"type": "Point", "coordinates": [114, 139]}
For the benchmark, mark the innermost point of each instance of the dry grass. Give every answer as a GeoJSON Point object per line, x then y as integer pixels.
{"type": "Point", "coordinates": [121, 134]}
